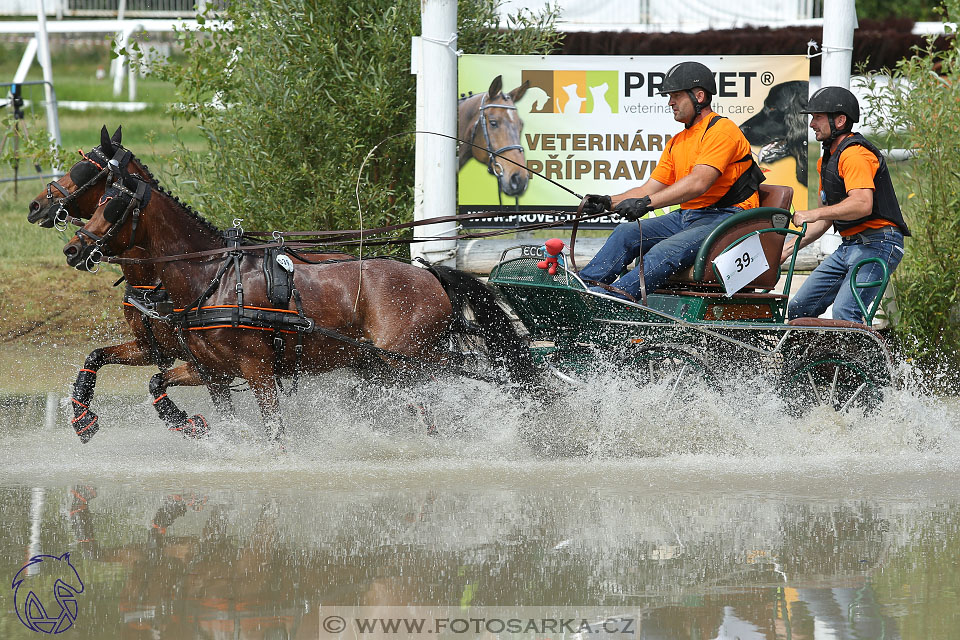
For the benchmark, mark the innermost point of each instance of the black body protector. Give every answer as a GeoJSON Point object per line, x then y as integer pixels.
{"type": "Point", "coordinates": [885, 205]}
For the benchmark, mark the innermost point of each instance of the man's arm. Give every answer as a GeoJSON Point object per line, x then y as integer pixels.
{"type": "Point", "coordinates": [648, 188]}
{"type": "Point", "coordinates": [858, 204]}
{"type": "Point", "coordinates": [686, 188]}
{"type": "Point", "coordinates": [814, 231]}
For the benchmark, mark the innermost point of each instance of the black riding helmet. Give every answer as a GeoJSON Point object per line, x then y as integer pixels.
{"type": "Point", "coordinates": [831, 101]}
{"type": "Point", "coordinates": [686, 76]}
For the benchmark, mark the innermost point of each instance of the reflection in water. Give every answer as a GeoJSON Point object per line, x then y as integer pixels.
{"type": "Point", "coordinates": [220, 563]}
{"type": "Point", "coordinates": [722, 518]}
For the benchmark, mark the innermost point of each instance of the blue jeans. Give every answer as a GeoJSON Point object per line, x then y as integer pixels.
{"type": "Point", "coordinates": [670, 244]}
{"type": "Point", "coordinates": [830, 282]}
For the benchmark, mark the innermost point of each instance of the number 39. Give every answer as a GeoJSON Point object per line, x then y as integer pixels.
{"type": "Point", "coordinates": [743, 262]}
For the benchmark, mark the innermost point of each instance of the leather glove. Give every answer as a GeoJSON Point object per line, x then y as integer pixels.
{"type": "Point", "coordinates": [632, 209]}
{"type": "Point", "coordinates": [596, 204]}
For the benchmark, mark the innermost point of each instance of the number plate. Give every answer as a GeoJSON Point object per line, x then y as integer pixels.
{"type": "Point", "coordinates": [740, 265]}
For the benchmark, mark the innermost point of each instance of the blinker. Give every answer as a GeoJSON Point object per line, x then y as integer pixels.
{"type": "Point", "coordinates": [114, 210]}
{"type": "Point", "coordinates": [83, 172]}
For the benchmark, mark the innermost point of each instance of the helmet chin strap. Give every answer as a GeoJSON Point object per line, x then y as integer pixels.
{"type": "Point", "coordinates": [834, 133]}
{"type": "Point", "coordinates": [698, 107]}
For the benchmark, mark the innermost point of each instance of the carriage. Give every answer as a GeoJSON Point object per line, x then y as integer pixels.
{"type": "Point", "coordinates": [385, 317]}
{"type": "Point", "coordinates": [694, 332]}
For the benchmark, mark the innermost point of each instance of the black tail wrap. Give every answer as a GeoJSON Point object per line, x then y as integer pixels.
{"type": "Point", "coordinates": [493, 324]}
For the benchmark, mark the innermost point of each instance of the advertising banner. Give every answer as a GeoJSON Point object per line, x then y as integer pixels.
{"type": "Point", "coordinates": [597, 124]}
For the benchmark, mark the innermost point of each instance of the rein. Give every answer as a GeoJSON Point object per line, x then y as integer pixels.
{"type": "Point", "coordinates": [303, 246]}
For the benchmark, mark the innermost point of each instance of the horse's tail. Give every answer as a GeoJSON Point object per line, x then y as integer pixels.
{"type": "Point", "coordinates": [492, 322]}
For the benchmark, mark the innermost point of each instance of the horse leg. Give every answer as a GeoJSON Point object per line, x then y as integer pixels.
{"type": "Point", "coordinates": [85, 421]}
{"type": "Point", "coordinates": [222, 400]}
{"type": "Point", "coordinates": [264, 388]}
{"type": "Point", "coordinates": [176, 420]}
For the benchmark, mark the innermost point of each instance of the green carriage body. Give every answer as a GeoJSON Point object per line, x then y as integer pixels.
{"type": "Point", "coordinates": [695, 327]}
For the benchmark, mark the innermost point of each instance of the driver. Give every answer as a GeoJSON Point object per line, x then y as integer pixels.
{"type": "Point", "coordinates": [707, 169]}
{"type": "Point", "coordinates": [857, 199]}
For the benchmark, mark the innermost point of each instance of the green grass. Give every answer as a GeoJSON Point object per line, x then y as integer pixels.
{"type": "Point", "coordinates": [74, 76]}
{"type": "Point", "coordinates": [40, 297]}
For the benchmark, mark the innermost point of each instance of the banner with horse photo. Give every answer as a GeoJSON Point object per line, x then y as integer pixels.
{"type": "Point", "coordinates": [597, 124]}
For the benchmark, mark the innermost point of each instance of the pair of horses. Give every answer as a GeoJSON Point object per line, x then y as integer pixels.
{"type": "Point", "coordinates": [378, 315]}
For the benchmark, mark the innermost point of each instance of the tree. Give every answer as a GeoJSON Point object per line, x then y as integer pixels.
{"type": "Point", "coordinates": [296, 92]}
{"type": "Point", "coordinates": [921, 107]}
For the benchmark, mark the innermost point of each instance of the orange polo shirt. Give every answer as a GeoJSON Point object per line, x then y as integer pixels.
{"type": "Point", "coordinates": [720, 148]}
{"type": "Point", "coordinates": [857, 168]}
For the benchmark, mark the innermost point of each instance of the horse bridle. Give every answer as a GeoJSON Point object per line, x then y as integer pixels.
{"type": "Point", "coordinates": [491, 153]}
{"type": "Point", "coordinates": [137, 200]}
{"type": "Point", "coordinates": [61, 216]}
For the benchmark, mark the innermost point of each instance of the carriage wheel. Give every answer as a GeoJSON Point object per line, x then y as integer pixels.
{"type": "Point", "coordinates": [678, 369]}
{"type": "Point", "coordinates": [833, 380]}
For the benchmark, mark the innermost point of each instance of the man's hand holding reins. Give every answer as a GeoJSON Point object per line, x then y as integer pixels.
{"type": "Point", "coordinates": [632, 209]}
{"type": "Point", "coordinates": [596, 204]}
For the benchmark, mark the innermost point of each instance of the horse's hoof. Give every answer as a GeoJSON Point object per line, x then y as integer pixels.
{"type": "Point", "coordinates": [196, 427]}
{"type": "Point", "coordinates": [86, 425]}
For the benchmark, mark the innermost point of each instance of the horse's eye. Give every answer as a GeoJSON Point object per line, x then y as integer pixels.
{"type": "Point", "coordinates": [494, 124]}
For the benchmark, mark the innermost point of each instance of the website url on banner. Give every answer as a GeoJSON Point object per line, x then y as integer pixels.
{"type": "Point", "coordinates": [343, 622]}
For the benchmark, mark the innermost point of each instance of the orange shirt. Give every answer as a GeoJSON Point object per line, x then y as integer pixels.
{"type": "Point", "coordinates": [720, 148]}
{"type": "Point", "coordinates": [857, 168]}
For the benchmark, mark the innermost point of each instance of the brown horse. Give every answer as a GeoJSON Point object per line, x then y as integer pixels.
{"type": "Point", "coordinates": [490, 121]}
{"type": "Point", "coordinates": [77, 194]}
{"type": "Point", "coordinates": [376, 314]}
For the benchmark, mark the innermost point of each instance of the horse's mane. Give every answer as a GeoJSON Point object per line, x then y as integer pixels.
{"type": "Point", "coordinates": [204, 223]}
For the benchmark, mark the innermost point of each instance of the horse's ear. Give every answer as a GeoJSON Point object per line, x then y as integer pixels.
{"type": "Point", "coordinates": [117, 135]}
{"type": "Point", "coordinates": [517, 93]}
{"type": "Point", "coordinates": [106, 145]}
{"type": "Point", "coordinates": [495, 87]}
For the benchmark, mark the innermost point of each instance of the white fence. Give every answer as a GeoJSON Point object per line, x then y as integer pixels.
{"type": "Point", "coordinates": [107, 8]}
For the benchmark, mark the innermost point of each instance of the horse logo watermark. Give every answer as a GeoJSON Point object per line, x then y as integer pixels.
{"type": "Point", "coordinates": [46, 574]}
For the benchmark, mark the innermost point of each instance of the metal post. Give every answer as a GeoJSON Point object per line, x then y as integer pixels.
{"type": "Point", "coordinates": [435, 190]}
{"type": "Point", "coordinates": [43, 56]}
{"type": "Point", "coordinates": [839, 21]}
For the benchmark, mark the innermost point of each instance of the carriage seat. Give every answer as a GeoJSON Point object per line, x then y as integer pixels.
{"type": "Point", "coordinates": [772, 198]}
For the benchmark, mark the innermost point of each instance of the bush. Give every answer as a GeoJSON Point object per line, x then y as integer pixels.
{"type": "Point", "coordinates": [923, 106]}
{"type": "Point", "coordinates": [293, 97]}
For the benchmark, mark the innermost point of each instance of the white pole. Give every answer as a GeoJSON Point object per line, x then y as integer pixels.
{"type": "Point", "coordinates": [26, 61]}
{"type": "Point", "coordinates": [43, 56]}
{"type": "Point", "coordinates": [435, 190]}
{"type": "Point", "coordinates": [839, 21]}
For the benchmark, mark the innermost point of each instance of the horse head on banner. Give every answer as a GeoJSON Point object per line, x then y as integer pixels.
{"type": "Point", "coordinates": [490, 122]}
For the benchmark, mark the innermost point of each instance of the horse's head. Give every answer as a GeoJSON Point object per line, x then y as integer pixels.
{"type": "Point", "coordinates": [76, 194]}
{"type": "Point", "coordinates": [113, 225]}
{"type": "Point", "coordinates": [491, 123]}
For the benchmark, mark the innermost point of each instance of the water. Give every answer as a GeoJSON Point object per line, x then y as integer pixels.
{"type": "Point", "coordinates": [720, 517]}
